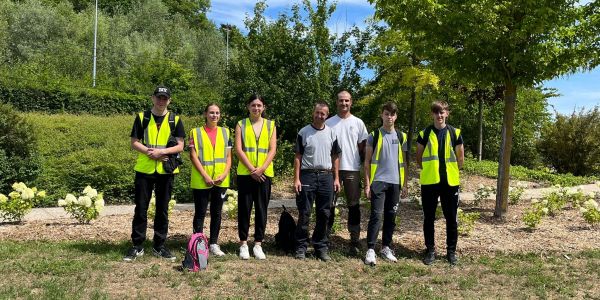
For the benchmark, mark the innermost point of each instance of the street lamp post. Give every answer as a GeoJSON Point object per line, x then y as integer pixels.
{"type": "Point", "coordinates": [227, 28]}
{"type": "Point", "coordinates": [95, 45]}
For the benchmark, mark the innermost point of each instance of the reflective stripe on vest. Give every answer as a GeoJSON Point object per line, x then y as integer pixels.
{"type": "Point", "coordinates": [430, 174]}
{"type": "Point", "coordinates": [377, 152]}
{"type": "Point", "coordinates": [156, 139]}
{"type": "Point", "coordinates": [213, 159]}
{"type": "Point", "coordinates": [256, 154]}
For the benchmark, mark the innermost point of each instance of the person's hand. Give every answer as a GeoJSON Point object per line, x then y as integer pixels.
{"type": "Point", "coordinates": [297, 186]}
{"type": "Point", "coordinates": [209, 181]}
{"type": "Point", "coordinates": [404, 192]}
{"type": "Point", "coordinates": [258, 171]}
{"type": "Point", "coordinates": [336, 186]}
{"type": "Point", "coordinates": [368, 192]}
{"type": "Point", "coordinates": [219, 179]}
{"type": "Point", "coordinates": [258, 175]}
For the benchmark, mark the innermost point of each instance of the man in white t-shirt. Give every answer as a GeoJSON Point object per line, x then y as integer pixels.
{"type": "Point", "coordinates": [351, 135]}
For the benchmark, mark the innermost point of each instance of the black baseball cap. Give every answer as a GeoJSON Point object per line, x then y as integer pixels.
{"type": "Point", "coordinates": [162, 90]}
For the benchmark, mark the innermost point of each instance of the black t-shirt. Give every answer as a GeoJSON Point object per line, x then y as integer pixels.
{"type": "Point", "coordinates": [441, 136]}
{"type": "Point", "coordinates": [138, 132]}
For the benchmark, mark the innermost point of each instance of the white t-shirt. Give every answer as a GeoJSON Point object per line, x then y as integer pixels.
{"type": "Point", "coordinates": [350, 132]}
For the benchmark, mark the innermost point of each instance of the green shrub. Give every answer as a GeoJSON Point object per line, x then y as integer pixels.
{"type": "Point", "coordinates": [466, 221]}
{"type": "Point", "coordinates": [572, 143]}
{"type": "Point", "coordinates": [19, 202]}
{"type": "Point", "coordinates": [18, 156]}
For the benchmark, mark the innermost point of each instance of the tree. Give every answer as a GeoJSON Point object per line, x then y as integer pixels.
{"type": "Point", "coordinates": [513, 43]}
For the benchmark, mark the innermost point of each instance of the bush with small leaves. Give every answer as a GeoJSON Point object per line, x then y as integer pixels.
{"type": "Point", "coordinates": [591, 211]}
{"type": "Point", "coordinates": [483, 193]}
{"type": "Point", "coordinates": [86, 207]}
{"type": "Point", "coordinates": [533, 216]}
{"type": "Point", "coordinates": [466, 221]}
{"type": "Point", "coordinates": [516, 192]}
{"type": "Point", "coordinates": [19, 202]}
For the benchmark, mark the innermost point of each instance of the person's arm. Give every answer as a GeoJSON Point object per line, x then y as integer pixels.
{"type": "Point", "coordinates": [460, 155]}
{"type": "Point", "coordinates": [270, 155]}
{"type": "Point", "coordinates": [368, 154]}
{"type": "Point", "coordinates": [361, 149]}
{"type": "Point", "coordinates": [198, 165]}
{"type": "Point", "coordinates": [335, 163]}
{"type": "Point", "coordinates": [404, 192]}
{"type": "Point", "coordinates": [297, 183]}
{"type": "Point", "coordinates": [419, 156]}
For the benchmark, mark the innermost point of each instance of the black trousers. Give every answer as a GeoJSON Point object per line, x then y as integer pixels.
{"type": "Point", "coordinates": [449, 198]}
{"type": "Point", "coordinates": [162, 184]}
{"type": "Point", "coordinates": [350, 180]}
{"type": "Point", "coordinates": [384, 205]}
{"type": "Point", "coordinates": [316, 188]}
{"type": "Point", "coordinates": [215, 195]}
{"type": "Point", "coordinates": [252, 192]}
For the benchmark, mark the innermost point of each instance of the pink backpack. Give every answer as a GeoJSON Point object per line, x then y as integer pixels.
{"type": "Point", "coordinates": [196, 256]}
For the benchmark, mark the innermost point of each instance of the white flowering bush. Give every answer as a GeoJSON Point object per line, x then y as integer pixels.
{"type": "Point", "coordinates": [86, 207]}
{"type": "Point", "coordinates": [590, 211]}
{"type": "Point", "coordinates": [577, 197]}
{"type": "Point", "coordinates": [483, 193]}
{"type": "Point", "coordinates": [557, 199]}
{"type": "Point", "coordinates": [152, 206]}
{"type": "Point", "coordinates": [19, 202]}
{"type": "Point", "coordinates": [516, 192]}
{"type": "Point", "coordinates": [231, 205]}
{"type": "Point", "coordinates": [466, 221]}
{"type": "Point", "coordinates": [538, 210]}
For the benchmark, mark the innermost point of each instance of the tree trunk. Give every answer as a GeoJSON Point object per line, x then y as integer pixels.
{"type": "Point", "coordinates": [510, 99]}
{"type": "Point", "coordinates": [411, 123]}
{"type": "Point", "coordinates": [480, 142]}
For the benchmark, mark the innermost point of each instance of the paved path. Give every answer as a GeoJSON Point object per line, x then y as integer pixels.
{"type": "Point", "coordinates": [50, 213]}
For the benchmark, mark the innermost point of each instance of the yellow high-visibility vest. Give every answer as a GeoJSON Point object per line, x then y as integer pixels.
{"type": "Point", "coordinates": [156, 139]}
{"type": "Point", "coordinates": [377, 152]}
{"type": "Point", "coordinates": [256, 154]}
{"type": "Point", "coordinates": [213, 159]}
{"type": "Point", "coordinates": [430, 174]}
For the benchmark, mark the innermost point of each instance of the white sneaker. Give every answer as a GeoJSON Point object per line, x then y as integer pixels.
{"type": "Point", "coordinates": [258, 252]}
{"type": "Point", "coordinates": [216, 250]}
{"type": "Point", "coordinates": [388, 254]}
{"type": "Point", "coordinates": [370, 258]}
{"type": "Point", "coordinates": [244, 253]}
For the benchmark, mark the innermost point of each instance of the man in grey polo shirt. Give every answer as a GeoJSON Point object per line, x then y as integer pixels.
{"type": "Point", "coordinates": [315, 180]}
{"type": "Point", "coordinates": [351, 134]}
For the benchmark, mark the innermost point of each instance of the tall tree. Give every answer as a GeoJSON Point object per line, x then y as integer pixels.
{"type": "Point", "coordinates": [513, 43]}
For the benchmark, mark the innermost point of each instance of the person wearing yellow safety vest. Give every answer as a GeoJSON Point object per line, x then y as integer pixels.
{"type": "Point", "coordinates": [210, 153]}
{"type": "Point", "coordinates": [384, 179]}
{"type": "Point", "coordinates": [150, 135]}
{"type": "Point", "coordinates": [255, 147]}
{"type": "Point", "coordinates": [440, 155]}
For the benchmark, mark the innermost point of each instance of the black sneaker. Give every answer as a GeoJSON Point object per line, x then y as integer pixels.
{"type": "Point", "coordinates": [451, 257]}
{"type": "Point", "coordinates": [133, 253]}
{"type": "Point", "coordinates": [163, 253]}
{"type": "Point", "coordinates": [300, 254]}
{"type": "Point", "coordinates": [429, 257]}
{"type": "Point", "coordinates": [323, 255]}
{"type": "Point", "coordinates": [354, 249]}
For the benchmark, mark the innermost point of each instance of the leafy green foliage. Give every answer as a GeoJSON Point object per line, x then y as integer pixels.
{"type": "Point", "coordinates": [572, 143]}
{"type": "Point", "coordinates": [86, 207]}
{"type": "Point", "coordinates": [19, 202]}
{"type": "Point", "coordinates": [466, 221]}
{"type": "Point", "coordinates": [18, 155]}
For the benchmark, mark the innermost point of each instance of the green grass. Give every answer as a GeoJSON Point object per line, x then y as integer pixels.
{"type": "Point", "coordinates": [490, 169]}
{"type": "Point", "coordinates": [94, 270]}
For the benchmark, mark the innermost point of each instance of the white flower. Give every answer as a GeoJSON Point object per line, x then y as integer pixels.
{"type": "Point", "coordinates": [582, 210]}
{"type": "Point", "coordinates": [3, 198]}
{"type": "Point", "coordinates": [41, 194]}
{"type": "Point", "coordinates": [87, 189]}
{"type": "Point", "coordinates": [34, 189]}
{"type": "Point", "coordinates": [480, 186]}
{"type": "Point", "coordinates": [534, 200]}
{"type": "Point", "coordinates": [92, 193]}
{"type": "Point", "coordinates": [70, 199]}
{"type": "Point", "coordinates": [27, 194]}
{"type": "Point", "coordinates": [19, 186]}
{"type": "Point", "coordinates": [85, 201]}
{"type": "Point", "coordinates": [14, 194]}
{"type": "Point", "coordinates": [545, 210]}
{"type": "Point", "coordinates": [591, 195]}
{"type": "Point", "coordinates": [545, 202]}
{"type": "Point", "coordinates": [62, 202]}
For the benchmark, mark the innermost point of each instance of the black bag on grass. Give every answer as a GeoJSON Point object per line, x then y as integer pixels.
{"type": "Point", "coordinates": [285, 239]}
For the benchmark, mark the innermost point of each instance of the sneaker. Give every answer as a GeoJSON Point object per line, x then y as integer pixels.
{"type": "Point", "coordinates": [451, 257]}
{"type": "Point", "coordinates": [244, 253]}
{"type": "Point", "coordinates": [163, 252]}
{"type": "Point", "coordinates": [388, 254]}
{"type": "Point", "coordinates": [216, 250]}
{"type": "Point", "coordinates": [370, 258]}
{"type": "Point", "coordinates": [133, 253]}
{"type": "Point", "coordinates": [323, 255]}
{"type": "Point", "coordinates": [258, 252]}
{"type": "Point", "coordinates": [429, 257]}
{"type": "Point", "coordinates": [354, 249]}
{"type": "Point", "coordinates": [300, 254]}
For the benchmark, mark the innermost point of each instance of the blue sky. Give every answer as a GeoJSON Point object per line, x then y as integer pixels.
{"type": "Point", "coordinates": [580, 90]}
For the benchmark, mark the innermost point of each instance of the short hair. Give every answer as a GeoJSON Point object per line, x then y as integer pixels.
{"type": "Point", "coordinates": [322, 104]}
{"type": "Point", "coordinates": [390, 106]}
{"type": "Point", "coordinates": [344, 92]}
{"type": "Point", "coordinates": [439, 105]}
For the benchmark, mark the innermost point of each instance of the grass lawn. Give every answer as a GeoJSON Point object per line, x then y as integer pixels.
{"type": "Point", "coordinates": [94, 270]}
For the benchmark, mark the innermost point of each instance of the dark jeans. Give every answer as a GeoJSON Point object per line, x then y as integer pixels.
{"type": "Point", "coordinates": [350, 180]}
{"type": "Point", "coordinates": [317, 188]}
{"type": "Point", "coordinates": [449, 198]}
{"type": "Point", "coordinates": [252, 192]}
{"type": "Point", "coordinates": [162, 184]}
{"type": "Point", "coordinates": [216, 195]}
{"type": "Point", "coordinates": [384, 205]}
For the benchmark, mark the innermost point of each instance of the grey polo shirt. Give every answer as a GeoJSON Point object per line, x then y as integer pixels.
{"type": "Point", "coordinates": [316, 147]}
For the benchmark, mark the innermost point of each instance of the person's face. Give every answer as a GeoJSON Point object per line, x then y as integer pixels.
{"type": "Point", "coordinates": [256, 108]}
{"type": "Point", "coordinates": [161, 102]}
{"type": "Point", "coordinates": [439, 117]}
{"type": "Point", "coordinates": [213, 114]}
{"type": "Point", "coordinates": [344, 102]}
{"type": "Point", "coordinates": [388, 118]}
{"type": "Point", "coordinates": [320, 114]}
